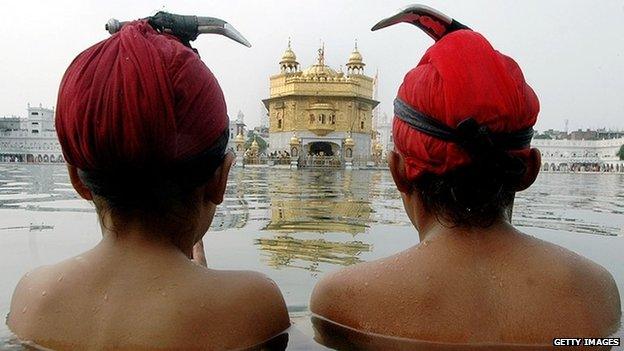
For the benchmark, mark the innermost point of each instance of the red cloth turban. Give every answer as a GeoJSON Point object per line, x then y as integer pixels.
{"type": "Point", "coordinates": [461, 76]}
{"type": "Point", "coordinates": [138, 99]}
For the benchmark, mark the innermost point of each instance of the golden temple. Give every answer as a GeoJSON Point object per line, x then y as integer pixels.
{"type": "Point", "coordinates": [319, 111]}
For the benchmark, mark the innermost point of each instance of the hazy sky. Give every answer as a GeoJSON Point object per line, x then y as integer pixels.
{"type": "Point", "coordinates": [571, 52]}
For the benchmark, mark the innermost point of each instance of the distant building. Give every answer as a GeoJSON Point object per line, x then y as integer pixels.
{"type": "Point", "coordinates": [580, 155]}
{"type": "Point", "coordinates": [237, 126]}
{"type": "Point", "coordinates": [31, 139]}
{"type": "Point", "coordinates": [323, 111]}
{"type": "Point", "coordinates": [384, 134]}
{"type": "Point", "coordinates": [588, 134]}
{"type": "Point", "coordinates": [584, 135]}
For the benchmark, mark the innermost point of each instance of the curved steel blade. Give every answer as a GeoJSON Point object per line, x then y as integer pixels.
{"type": "Point", "coordinates": [431, 21]}
{"type": "Point", "coordinates": [213, 25]}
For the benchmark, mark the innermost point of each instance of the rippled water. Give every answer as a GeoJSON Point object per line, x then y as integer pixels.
{"type": "Point", "coordinates": [297, 225]}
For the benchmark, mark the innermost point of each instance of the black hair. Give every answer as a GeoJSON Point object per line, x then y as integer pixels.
{"type": "Point", "coordinates": [476, 194]}
{"type": "Point", "coordinates": [159, 195]}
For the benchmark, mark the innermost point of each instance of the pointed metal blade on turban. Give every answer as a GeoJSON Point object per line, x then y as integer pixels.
{"type": "Point", "coordinates": [186, 28]}
{"type": "Point", "coordinates": [218, 26]}
{"type": "Point", "coordinates": [431, 21]}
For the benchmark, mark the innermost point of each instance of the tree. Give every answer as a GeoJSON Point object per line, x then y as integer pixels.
{"type": "Point", "coordinates": [621, 153]}
{"type": "Point", "coordinates": [542, 136]}
{"type": "Point", "coordinates": [261, 142]}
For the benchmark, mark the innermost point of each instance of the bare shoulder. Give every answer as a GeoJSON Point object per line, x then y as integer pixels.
{"type": "Point", "coordinates": [587, 288]}
{"type": "Point", "coordinates": [338, 295]}
{"type": "Point", "coordinates": [246, 302]}
{"type": "Point", "coordinates": [596, 285]}
{"type": "Point", "coordinates": [26, 300]}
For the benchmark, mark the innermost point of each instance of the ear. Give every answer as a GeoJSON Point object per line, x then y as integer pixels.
{"type": "Point", "coordinates": [396, 163]}
{"type": "Point", "coordinates": [215, 188]}
{"type": "Point", "coordinates": [80, 187]}
{"type": "Point", "coordinates": [533, 166]}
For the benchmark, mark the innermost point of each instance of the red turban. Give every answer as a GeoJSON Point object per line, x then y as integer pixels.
{"type": "Point", "coordinates": [138, 99]}
{"type": "Point", "coordinates": [461, 76]}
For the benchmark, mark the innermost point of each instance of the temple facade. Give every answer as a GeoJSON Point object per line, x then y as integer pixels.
{"type": "Point", "coordinates": [319, 111]}
{"type": "Point", "coordinates": [580, 155]}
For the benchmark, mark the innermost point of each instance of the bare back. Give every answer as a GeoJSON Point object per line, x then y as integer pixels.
{"type": "Point", "coordinates": [101, 300]}
{"type": "Point", "coordinates": [509, 288]}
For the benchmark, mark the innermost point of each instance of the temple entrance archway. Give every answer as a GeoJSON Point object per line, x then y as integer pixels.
{"type": "Point", "coordinates": [321, 148]}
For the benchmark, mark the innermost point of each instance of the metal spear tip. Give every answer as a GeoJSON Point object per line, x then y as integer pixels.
{"type": "Point", "coordinates": [431, 21]}
{"type": "Point", "coordinates": [213, 25]}
{"type": "Point", "coordinates": [410, 14]}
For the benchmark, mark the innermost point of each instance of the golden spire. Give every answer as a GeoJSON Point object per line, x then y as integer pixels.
{"type": "Point", "coordinates": [289, 59]}
{"type": "Point", "coordinates": [356, 64]}
{"type": "Point", "coordinates": [321, 54]}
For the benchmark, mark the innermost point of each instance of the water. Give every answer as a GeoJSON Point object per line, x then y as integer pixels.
{"type": "Point", "coordinates": [295, 226]}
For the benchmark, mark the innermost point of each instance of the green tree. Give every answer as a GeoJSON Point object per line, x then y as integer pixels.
{"type": "Point", "coordinates": [542, 136]}
{"type": "Point", "coordinates": [621, 153]}
{"type": "Point", "coordinates": [261, 142]}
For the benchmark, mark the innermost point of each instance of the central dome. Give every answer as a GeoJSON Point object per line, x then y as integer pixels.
{"type": "Point", "coordinates": [319, 70]}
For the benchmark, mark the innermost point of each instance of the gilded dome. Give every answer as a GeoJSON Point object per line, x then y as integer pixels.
{"type": "Point", "coordinates": [289, 56]}
{"type": "Point", "coordinates": [319, 71]}
{"type": "Point", "coordinates": [355, 58]}
{"type": "Point", "coordinates": [254, 144]}
{"type": "Point", "coordinates": [349, 141]}
{"type": "Point", "coordinates": [294, 139]}
{"type": "Point", "coordinates": [289, 59]}
{"type": "Point", "coordinates": [239, 139]}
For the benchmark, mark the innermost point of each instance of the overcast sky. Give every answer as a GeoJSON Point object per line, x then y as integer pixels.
{"type": "Point", "coordinates": [571, 52]}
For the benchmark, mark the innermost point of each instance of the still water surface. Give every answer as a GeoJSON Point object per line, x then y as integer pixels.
{"type": "Point", "coordinates": [295, 226]}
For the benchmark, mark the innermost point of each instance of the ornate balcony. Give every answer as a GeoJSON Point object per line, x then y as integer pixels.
{"type": "Point", "coordinates": [322, 118]}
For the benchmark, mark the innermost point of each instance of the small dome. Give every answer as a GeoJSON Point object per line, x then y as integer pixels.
{"type": "Point", "coordinates": [289, 59]}
{"type": "Point", "coordinates": [355, 58]}
{"type": "Point", "coordinates": [239, 139]}
{"type": "Point", "coordinates": [289, 56]}
{"type": "Point", "coordinates": [254, 144]}
{"type": "Point", "coordinates": [348, 140]}
{"type": "Point", "coordinates": [294, 139]}
{"type": "Point", "coordinates": [356, 62]}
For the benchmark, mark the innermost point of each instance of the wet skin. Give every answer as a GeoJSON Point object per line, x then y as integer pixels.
{"type": "Point", "coordinates": [135, 291]}
{"type": "Point", "coordinates": [472, 285]}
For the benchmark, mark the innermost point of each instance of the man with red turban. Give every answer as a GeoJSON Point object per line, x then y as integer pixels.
{"type": "Point", "coordinates": [143, 126]}
{"type": "Point", "coordinates": [462, 131]}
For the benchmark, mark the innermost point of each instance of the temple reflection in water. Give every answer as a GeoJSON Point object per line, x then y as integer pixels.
{"type": "Point", "coordinates": [308, 205]}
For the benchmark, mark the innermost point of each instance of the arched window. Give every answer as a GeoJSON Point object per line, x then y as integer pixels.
{"type": "Point", "coordinates": [362, 125]}
{"type": "Point", "coordinates": [322, 118]}
{"type": "Point", "coordinates": [311, 118]}
{"type": "Point", "coordinates": [279, 123]}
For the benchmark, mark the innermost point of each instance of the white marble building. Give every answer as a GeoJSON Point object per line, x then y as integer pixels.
{"type": "Point", "coordinates": [237, 126]}
{"type": "Point", "coordinates": [32, 139]}
{"type": "Point", "coordinates": [580, 155]}
{"type": "Point", "coordinates": [384, 130]}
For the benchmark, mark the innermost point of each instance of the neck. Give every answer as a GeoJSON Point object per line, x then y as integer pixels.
{"type": "Point", "coordinates": [433, 228]}
{"type": "Point", "coordinates": [136, 237]}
